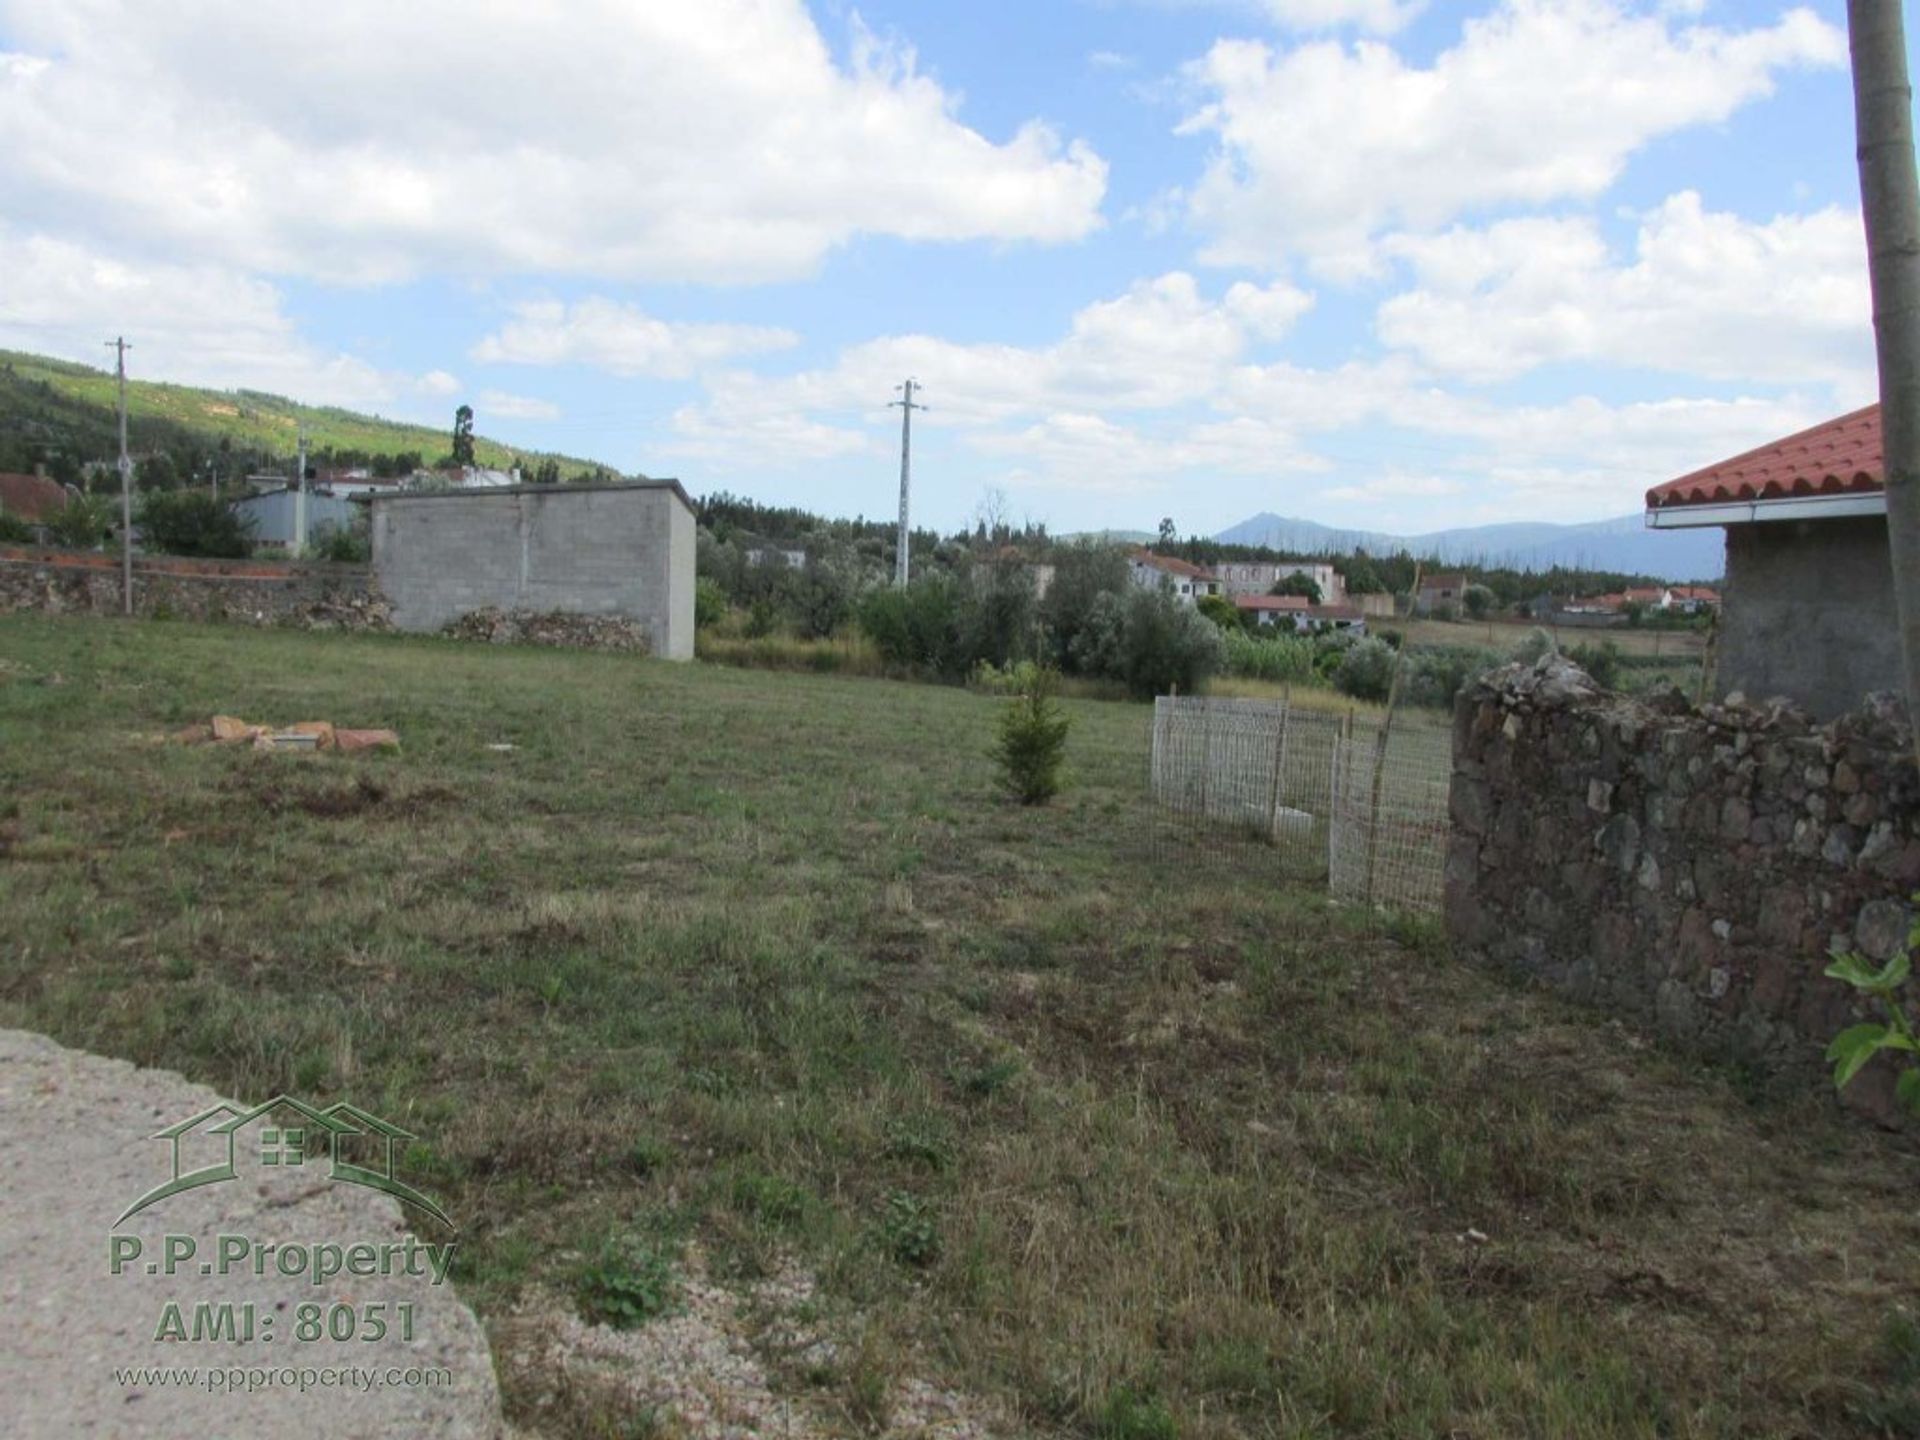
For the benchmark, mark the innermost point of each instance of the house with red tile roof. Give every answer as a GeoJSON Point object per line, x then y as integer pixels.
{"type": "Point", "coordinates": [1187, 581]}
{"type": "Point", "coordinates": [1808, 610]}
{"type": "Point", "coordinates": [31, 497]}
{"type": "Point", "coordinates": [1440, 590]}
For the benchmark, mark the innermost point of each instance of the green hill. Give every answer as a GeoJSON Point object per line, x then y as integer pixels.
{"type": "Point", "coordinates": [64, 415]}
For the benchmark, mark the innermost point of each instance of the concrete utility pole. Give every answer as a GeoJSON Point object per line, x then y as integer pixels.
{"type": "Point", "coordinates": [907, 407]}
{"type": "Point", "coordinates": [300, 495]}
{"type": "Point", "coordinates": [120, 347]}
{"type": "Point", "coordinates": [1890, 202]}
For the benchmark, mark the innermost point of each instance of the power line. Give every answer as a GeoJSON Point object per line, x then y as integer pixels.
{"type": "Point", "coordinates": [907, 407]}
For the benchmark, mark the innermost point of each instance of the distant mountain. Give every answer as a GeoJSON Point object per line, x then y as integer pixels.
{"type": "Point", "coordinates": [1624, 545]}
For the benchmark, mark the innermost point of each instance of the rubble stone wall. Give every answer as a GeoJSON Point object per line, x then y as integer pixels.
{"type": "Point", "coordinates": [248, 592]}
{"type": "Point", "coordinates": [1690, 868]}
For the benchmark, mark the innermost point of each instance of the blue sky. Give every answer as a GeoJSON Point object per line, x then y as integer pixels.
{"type": "Point", "coordinates": [1372, 262]}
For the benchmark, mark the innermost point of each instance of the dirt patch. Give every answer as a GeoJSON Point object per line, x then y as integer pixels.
{"type": "Point", "coordinates": [362, 795]}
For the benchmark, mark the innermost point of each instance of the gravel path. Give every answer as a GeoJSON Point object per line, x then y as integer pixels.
{"type": "Point", "coordinates": [74, 1153]}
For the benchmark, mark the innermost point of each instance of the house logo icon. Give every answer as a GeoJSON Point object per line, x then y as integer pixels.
{"type": "Point", "coordinates": [355, 1145]}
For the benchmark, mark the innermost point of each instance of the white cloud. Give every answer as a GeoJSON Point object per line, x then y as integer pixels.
{"type": "Point", "coordinates": [1709, 294]}
{"type": "Point", "coordinates": [622, 339]}
{"type": "Point", "coordinates": [1381, 16]}
{"type": "Point", "coordinates": [515, 407]}
{"type": "Point", "coordinates": [193, 324]}
{"type": "Point", "coordinates": [439, 382]}
{"type": "Point", "coordinates": [1159, 345]}
{"type": "Point", "coordinates": [713, 141]}
{"type": "Point", "coordinates": [1323, 146]}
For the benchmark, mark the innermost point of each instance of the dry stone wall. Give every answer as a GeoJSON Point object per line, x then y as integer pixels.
{"type": "Point", "coordinates": [250, 592]}
{"type": "Point", "coordinates": [1688, 867]}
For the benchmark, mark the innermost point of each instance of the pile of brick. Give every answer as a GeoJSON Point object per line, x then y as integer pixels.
{"type": "Point", "coordinates": [526, 627]}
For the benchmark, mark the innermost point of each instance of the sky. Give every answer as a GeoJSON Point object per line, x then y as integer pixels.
{"type": "Point", "coordinates": [1385, 264]}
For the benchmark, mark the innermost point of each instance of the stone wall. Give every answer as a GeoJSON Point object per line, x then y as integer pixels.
{"type": "Point", "coordinates": [610, 550]}
{"type": "Point", "coordinates": [249, 592]}
{"type": "Point", "coordinates": [1688, 868]}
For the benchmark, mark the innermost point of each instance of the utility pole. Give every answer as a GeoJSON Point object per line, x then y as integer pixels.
{"type": "Point", "coordinates": [907, 407]}
{"type": "Point", "coordinates": [300, 495]}
{"type": "Point", "coordinates": [120, 347]}
{"type": "Point", "coordinates": [1890, 203]}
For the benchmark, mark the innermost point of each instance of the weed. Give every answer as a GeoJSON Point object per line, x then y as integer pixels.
{"type": "Point", "coordinates": [628, 1284]}
{"type": "Point", "coordinates": [909, 1230]}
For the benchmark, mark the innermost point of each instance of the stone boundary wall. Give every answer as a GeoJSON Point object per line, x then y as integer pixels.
{"type": "Point", "coordinates": [248, 592]}
{"type": "Point", "coordinates": [1689, 868]}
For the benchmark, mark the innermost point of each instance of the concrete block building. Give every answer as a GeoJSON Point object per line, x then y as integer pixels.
{"type": "Point", "coordinates": [1807, 610]}
{"type": "Point", "coordinates": [625, 549]}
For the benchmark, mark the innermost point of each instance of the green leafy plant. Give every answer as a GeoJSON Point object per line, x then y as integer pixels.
{"type": "Point", "coordinates": [14, 530]}
{"type": "Point", "coordinates": [1033, 741]}
{"type": "Point", "coordinates": [192, 522]}
{"type": "Point", "coordinates": [1853, 1047]}
{"type": "Point", "coordinates": [629, 1284]}
{"type": "Point", "coordinates": [909, 1229]}
{"type": "Point", "coordinates": [81, 524]}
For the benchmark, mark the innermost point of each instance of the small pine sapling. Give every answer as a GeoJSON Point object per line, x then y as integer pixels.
{"type": "Point", "coordinates": [1033, 741]}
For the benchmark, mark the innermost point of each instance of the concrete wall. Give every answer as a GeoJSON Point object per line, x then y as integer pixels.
{"type": "Point", "coordinates": [623, 550]}
{"type": "Point", "coordinates": [1808, 613]}
{"type": "Point", "coordinates": [1689, 869]}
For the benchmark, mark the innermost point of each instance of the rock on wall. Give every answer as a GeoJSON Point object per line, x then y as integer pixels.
{"type": "Point", "coordinates": [1691, 868]}
{"type": "Point", "coordinates": [250, 592]}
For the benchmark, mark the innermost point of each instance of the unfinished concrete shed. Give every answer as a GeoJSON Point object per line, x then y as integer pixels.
{"type": "Point", "coordinates": [1808, 608]}
{"type": "Point", "coordinates": [624, 549]}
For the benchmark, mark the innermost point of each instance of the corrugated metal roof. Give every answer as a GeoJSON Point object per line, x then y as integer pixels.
{"type": "Point", "coordinates": [1837, 457]}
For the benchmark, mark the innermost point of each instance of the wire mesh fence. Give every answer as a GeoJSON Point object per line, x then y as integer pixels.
{"type": "Point", "coordinates": [1320, 790]}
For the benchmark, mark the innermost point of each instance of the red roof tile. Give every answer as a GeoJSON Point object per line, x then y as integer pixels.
{"type": "Point", "coordinates": [31, 497]}
{"type": "Point", "coordinates": [1834, 458]}
{"type": "Point", "coordinates": [1272, 602]}
{"type": "Point", "coordinates": [1172, 566]}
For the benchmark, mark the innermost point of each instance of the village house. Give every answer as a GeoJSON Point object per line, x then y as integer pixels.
{"type": "Point", "coordinates": [1808, 610]}
{"type": "Point", "coordinates": [1258, 577]}
{"type": "Point", "coordinates": [32, 498]}
{"type": "Point", "coordinates": [1187, 581]}
{"type": "Point", "coordinates": [1440, 590]}
{"type": "Point", "coordinates": [1300, 613]}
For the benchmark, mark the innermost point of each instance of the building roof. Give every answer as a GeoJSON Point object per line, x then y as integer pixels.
{"type": "Point", "coordinates": [1837, 457]}
{"type": "Point", "coordinates": [471, 492]}
{"type": "Point", "coordinates": [1444, 582]}
{"type": "Point", "coordinates": [1272, 602]}
{"type": "Point", "coordinates": [31, 497]}
{"type": "Point", "coordinates": [1696, 592]}
{"type": "Point", "coordinates": [1173, 566]}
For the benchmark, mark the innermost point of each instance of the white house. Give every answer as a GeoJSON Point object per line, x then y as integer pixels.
{"type": "Point", "coordinates": [1155, 572]}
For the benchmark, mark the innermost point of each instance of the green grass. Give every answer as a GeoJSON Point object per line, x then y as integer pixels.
{"type": "Point", "coordinates": [1133, 1140]}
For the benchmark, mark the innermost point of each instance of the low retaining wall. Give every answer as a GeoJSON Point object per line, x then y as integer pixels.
{"type": "Point", "coordinates": [250, 592]}
{"type": "Point", "coordinates": [1691, 868]}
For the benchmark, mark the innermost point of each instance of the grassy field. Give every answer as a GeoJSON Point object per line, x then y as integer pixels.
{"type": "Point", "coordinates": [756, 971]}
{"type": "Point", "coordinates": [1505, 634]}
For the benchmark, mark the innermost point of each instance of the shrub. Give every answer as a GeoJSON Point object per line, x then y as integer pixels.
{"type": "Point", "coordinates": [1433, 677]}
{"type": "Point", "coordinates": [1601, 660]}
{"type": "Point", "coordinates": [1479, 601]}
{"type": "Point", "coordinates": [1033, 742]}
{"type": "Point", "coordinates": [909, 1230]}
{"type": "Point", "coordinates": [917, 628]}
{"type": "Point", "coordinates": [819, 598]}
{"type": "Point", "coordinates": [1366, 670]}
{"type": "Point", "coordinates": [1082, 573]}
{"type": "Point", "coordinates": [1222, 612]}
{"type": "Point", "coordinates": [82, 523]}
{"type": "Point", "coordinates": [1149, 642]}
{"type": "Point", "coordinates": [709, 602]}
{"type": "Point", "coordinates": [1533, 645]}
{"type": "Point", "coordinates": [343, 545]}
{"type": "Point", "coordinates": [629, 1284]}
{"type": "Point", "coordinates": [192, 522]}
{"type": "Point", "coordinates": [14, 530]}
